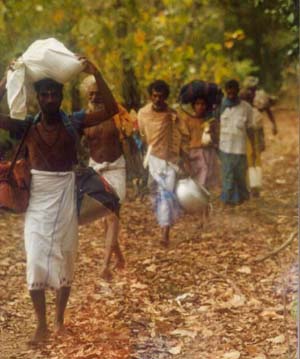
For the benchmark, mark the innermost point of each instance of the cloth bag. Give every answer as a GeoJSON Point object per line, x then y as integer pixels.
{"type": "Point", "coordinates": [261, 100]}
{"type": "Point", "coordinates": [206, 137]}
{"type": "Point", "coordinates": [14, 186]}
{"type": "Point", "coordinates": [94, 196]}
{"type": "Point", "coordinates": [255, 177]}
{"type": "Point", "coordinates": [15, 182]}
{"type": "Point", "coordinates": [43, 59]}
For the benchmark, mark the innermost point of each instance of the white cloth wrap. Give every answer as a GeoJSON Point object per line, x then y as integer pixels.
{"type": "Point", "coordinates": [166, 205]}
{"type": "Point", "coordinates": [163, 172]}
{"type": "Point", "coordinates": [114, 173]}
{"type": "Point", "coordinates": [51, 235]}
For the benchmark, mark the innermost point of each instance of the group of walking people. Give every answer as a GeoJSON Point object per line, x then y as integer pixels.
{"type": "Point", "coordinates": [215, 143]}
{"type": "Point", "coordinates": [204, 143]}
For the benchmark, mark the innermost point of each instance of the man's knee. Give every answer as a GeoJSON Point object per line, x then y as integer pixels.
{"type": "Point", "coordinates": [111, 219]}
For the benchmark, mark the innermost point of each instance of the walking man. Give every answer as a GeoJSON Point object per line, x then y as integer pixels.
{"type": "Point", "coordinates": [236, 125]}
{"type": "Point", "coordinates": [107, 158]}
{"type": "Point", "coordinates": [51, 217]}
{"type": "Point", "coordinates": [167, 139]}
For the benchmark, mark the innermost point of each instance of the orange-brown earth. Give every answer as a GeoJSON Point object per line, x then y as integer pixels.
{"type": "Point", "coordinates": [204, 298]}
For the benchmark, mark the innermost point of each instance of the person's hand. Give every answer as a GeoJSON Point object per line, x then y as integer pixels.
{"type": "Point", "coordinates": [12, 65]}
{"type": "Point", "coordinates": [186, 168]}
{"type": "Point", "coordinates": [89, 67]}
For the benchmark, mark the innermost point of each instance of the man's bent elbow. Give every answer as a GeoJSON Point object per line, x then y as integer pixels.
{"type": "Point", "coordinates": [113, 110]}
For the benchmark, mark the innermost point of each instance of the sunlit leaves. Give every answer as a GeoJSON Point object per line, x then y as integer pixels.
{"type": "Point", "coordinates": [2, 13]}
{"type": "Point", "coordinates": [174, 40]}
{"type": "Point", "coordinates": [139, 37]}
{"type": "Point", "coordinates": [58, 16]}
{"type": "Point", "coordinates": [232, 37]}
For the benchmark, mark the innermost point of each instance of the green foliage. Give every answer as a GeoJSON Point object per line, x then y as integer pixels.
{"type": "Point", "coordinates": [285, 13]}
{"type": "Point", "coordinates": [134, 42]}
{"type": "Point", "coordinates": [294, 309]}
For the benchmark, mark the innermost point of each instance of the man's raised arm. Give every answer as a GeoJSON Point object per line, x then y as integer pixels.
{"type": "Point", "coordinates": [110, 106]}
{"type": "Point", "coordinates": [2, 87]}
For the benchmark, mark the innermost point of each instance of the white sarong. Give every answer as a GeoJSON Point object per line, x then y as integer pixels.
{"type": "Point", "coordinates": [51, 235]}
{"type": "Point", "coordinates": [114, 173]}
{"type": "Point", "coordinates": [166, 205]}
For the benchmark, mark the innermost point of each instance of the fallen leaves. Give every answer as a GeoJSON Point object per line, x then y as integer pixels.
{"type": "Point", "coordinates": [277, 340]}
{"type": "Point", "coordinates": [184, 333]}
{"type": "Point", "coordinates": [237, 301]}
{"type": "Point", "coordinates": [245, 270]}
{"type": "Point", "coordinates": [175, 350]}
{"type": "Point", "coordinates": [199, 299]}
{"type": "Point", "coordinates": [232, 355]}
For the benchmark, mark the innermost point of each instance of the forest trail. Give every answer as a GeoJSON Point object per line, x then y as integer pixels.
{"type": "Point", "coordinates": [204, 298]}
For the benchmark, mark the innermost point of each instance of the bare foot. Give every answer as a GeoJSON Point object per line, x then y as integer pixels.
{"type": "Point", "coordinates": [165, 243]}
{"type": "Point", "coordinates": [41, 334]}
{"type": "Point", "coordinates": [120, 263]}
{"type": "Point", "coordinates": [59, 328]}
{"type": "Point", "coordinates": [200, 224]}
{"type": "Point", "coordinates": [106, 274]}
{"type": "Point", "coordinates": [197, 238]}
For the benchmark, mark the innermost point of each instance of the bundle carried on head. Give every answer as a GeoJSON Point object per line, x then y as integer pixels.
{"type": "Point", "coordinates": [43, 59]}
{"type": "Point", "coordinates": [201, 89]}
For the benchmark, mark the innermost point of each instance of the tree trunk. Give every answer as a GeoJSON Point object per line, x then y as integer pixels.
{"type": "Point", "coordinates": [130, 87]}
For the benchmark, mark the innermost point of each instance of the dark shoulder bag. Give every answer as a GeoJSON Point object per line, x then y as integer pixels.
{"type": "Point", "coordinates": [15, 180]}
{"type": "Point", "coordinates": [94, 195]}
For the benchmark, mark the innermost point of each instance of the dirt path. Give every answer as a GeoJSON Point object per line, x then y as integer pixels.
{"type": "Point", "coordinates": [204, 298]}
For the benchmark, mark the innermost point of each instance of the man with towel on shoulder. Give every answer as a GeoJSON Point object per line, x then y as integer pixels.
{"type": "Point", "coordinates": [51, 218]}
{"type": "Point", "coordinates": [166, 136]}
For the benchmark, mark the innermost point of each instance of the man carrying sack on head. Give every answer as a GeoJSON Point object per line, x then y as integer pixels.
{"type": "Point", "coordinates": [51, 217]}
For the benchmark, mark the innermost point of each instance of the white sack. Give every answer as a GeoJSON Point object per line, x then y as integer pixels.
{"type": "Point", "coordinates": [261, 100]}
{"type": "Point", "coordinates": [43, 59]}
{"type": "Point", "coordinates": [255, 177]}
{"type": "Point", "coordinates": [17, 92]}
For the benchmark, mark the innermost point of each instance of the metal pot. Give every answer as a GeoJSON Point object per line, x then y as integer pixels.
{"type": "Point", "coordinates": [191, 196]}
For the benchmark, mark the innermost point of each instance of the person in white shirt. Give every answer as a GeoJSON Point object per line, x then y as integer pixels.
{"type": "Point", "coordinates": [236, 124]}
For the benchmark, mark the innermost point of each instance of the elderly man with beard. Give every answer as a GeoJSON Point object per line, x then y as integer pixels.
{"type": "Point", "coordinates": [51, 218]}
{"type": "Point", "coordinates": [106, 157]}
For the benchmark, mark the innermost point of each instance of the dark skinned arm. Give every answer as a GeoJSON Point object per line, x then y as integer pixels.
{"type": "Point", "coordinates": [10, 124]}
{"type": "Point", "coordinates": [272, 119]}
{"type": "Point", "coordinates": [111, 107]}
{"type": "Point", "coordinates": [251, 136]}
{"type": "Point", "coordinates": [2, 87]}
{"type": "Point", "coordinates": [184, 147]}
{"type": "Point", "coordinates": [251, 131]}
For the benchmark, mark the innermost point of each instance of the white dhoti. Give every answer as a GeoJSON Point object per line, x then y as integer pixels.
{"type": "Point", "coordinates": [114, 173]}
{"type": "Point", "coordinates": [166, 205]}
{"type": "Point", "coordinates": [51, 234]}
